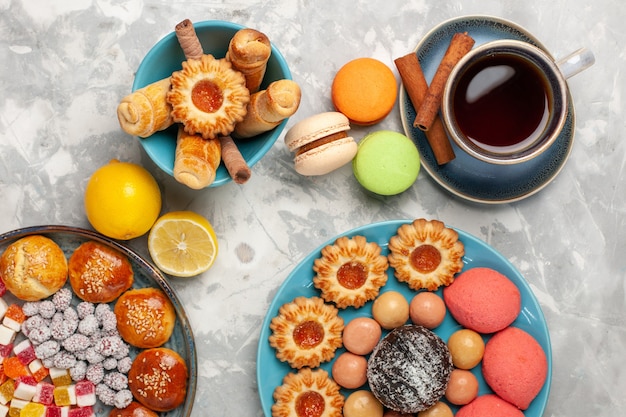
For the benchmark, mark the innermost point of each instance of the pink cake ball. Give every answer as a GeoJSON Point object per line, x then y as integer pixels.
{"type": "Point", "coordinates": [515, 366]}
{"type": "Point", "coordinates": [489, 405]}
{"type": "Point", "coordinates": [483, 300]}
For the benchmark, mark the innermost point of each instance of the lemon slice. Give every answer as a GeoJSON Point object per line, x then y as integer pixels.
{"type": "Point", "coordinates": [182, 244]}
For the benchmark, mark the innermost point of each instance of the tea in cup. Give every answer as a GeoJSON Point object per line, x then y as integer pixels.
{"type": "Point", "coordinates": [506, 101]}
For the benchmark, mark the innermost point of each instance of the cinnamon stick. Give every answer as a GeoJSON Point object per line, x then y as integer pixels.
{"type": "Point", "coordinates": [234, 162]}
{"type": "Point", "coordinates": [460, 44]}
{"type": "Point", "coordinates": [236, 166]}
{"type": "Point", "coordinates": [188, 40]}
{"type": "Point", "coordinates": [416, 87]}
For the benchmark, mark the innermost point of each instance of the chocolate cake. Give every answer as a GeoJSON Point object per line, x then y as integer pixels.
{"type": "Point", "coordinates": [409, 369]}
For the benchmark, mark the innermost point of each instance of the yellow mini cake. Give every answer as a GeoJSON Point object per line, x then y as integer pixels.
{"type": "Point", "coordinates": [350, 272]}
{"type": "Point", "coordinates": [306, 332]}
{"type": "Point", "coordinates": [426, 254]}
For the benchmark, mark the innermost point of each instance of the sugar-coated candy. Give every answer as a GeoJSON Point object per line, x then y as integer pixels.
{"type": "Point", "coordinates": [64, 360]}
{"type": "Point", "coordinates": [60, 377]}
{"type": "Point", "coordinates": [71, 315]}
{"type": "Point", "coordinates": [64, 395]}
{"type": "Point", "coordinates": [95, 373]}
{"type": "Point", "coordinates": [116, 380]}
{"type": "Point", "coordinates": [110, 346]}
{"type": "Point", "coordinates": [25, 388]}
{"type": "Point", "coordinates": [61, 329]}
{"type": "Point", "coordinates": [47, 309]}
{"type": "Point", "coordinates": [122, 352]}
{"type": "Point", "coordinates": [62, 299]}
{"type": "Point", "coordinates": [4, 410]}
{"type": "Point", "coordinates": [56, 411]}
{"type": "Point", "coordinates": [5, 351]}
{"type": "Point", "coordinates": [6, 391]}
{"type": "Point", "coordinates": [15, 406]}
{"type": "Point", "coordinates": [105, 394]}
{"type": "Point", "coordinates": [14, 317]}
{"type": "Point", "coordinates": [123, 398]}
{"type": "Point", "coordinates": [53, 411]}
{"type": "Point", "coordinates": [78, 371]}
{"type": "Point", "coordinates": [38, 335]}
{"type": "Point", "coordinates": [34, 322]}
{"type": "Point", "coordinates": [7, 335]}
{"type": "Point", "coordinates": [93, 356]}
{"type": "Point", "coordinates": [24, 351]}
{"type": "Point", "coordinates": [82, 412]}
{"type": "Point", "coordinates": [88, 325]}
{"type": "Point", "coordinates": [30, 308]}
{"type": "Point", "coordinates": [109, 363]}
{"type": "Point", "coordinates": [14, 368]}
{"type": "Point", "coordinates": [84, 309]}
{"type": "Point", "coordinates": [44, 393]}
{"type": "Point", "coordinates": [33, 410]}
{"type": "Point", "coordinates": [76, 342]}
{"type": "Point", "coordinates": [47, 349]}
{"type": "Point", "coordinates": [85, 393]}
{"type": "Point", "coordinates": [37, 370]}
{"type": "Point", "coordinates": [123, 365]}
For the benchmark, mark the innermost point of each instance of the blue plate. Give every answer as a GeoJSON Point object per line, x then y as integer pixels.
{"type": "Point", "coordinates": [270, 371]}
{"type": "Point", "coordinates": [465, 176]}
{"type": "Point", "coordinates": [145, 275]}
{"type": "Point", "coordinates": [166, 56]}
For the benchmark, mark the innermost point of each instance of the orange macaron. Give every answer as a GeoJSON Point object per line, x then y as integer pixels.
{"type": "Point", "coordinates": [364, 90]}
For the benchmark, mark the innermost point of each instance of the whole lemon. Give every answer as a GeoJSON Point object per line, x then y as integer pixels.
{"type": "Point", "coordinates": [122, 200]}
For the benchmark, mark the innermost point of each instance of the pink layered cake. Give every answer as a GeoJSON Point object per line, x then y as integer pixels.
{"type": "Point", "coordinates": [515, 366]}
{"type": "Point", "coordinates": [489, 405]}
{"type": "Point", "coordinates": [483, 300]}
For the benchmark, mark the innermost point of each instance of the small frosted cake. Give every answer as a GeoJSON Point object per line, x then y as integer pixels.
{"type": "Point", "coordinates": [306, 393]}
{"type": "Point", "coordinates": [410, 369]}
{"type": "Point", "coordinates": [426, 254]}
{"type": "Point", "coordinates": [350, 272]}
{"type": "Point", "coordinates": [306, 332]}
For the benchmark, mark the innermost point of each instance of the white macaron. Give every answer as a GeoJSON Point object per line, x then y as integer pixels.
{"type": "Point", "coordinates": [321, 143]}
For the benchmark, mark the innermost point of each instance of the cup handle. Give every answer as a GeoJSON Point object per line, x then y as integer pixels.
{"type": "Point", "coordinates": [576, 62]}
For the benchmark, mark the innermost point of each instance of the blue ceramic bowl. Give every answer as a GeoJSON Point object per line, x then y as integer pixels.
{"type": "Point", "coordinates": [167, 56]}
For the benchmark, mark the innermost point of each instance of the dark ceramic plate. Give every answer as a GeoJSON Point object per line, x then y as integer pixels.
{"type": "Point", "coordinates": [145, 275]}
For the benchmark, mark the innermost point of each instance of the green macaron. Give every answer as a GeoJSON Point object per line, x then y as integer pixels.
{"type": "Point", "coordinates": [386, 162]}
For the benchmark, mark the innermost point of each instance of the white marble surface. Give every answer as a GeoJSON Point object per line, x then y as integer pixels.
{"type": "Point", "coordinates": [64, 65]}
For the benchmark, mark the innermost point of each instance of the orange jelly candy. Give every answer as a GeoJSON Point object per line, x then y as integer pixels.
{"type": "Point", "coordinates": [14, 368]}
